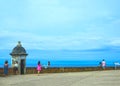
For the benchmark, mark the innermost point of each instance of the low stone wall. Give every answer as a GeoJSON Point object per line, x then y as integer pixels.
{"type": "Point", "coordinates": [66, 69]}
{"type": "Point", "coordinates": [32, 70]}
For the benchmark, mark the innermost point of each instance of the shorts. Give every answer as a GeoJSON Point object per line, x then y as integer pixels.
{"type": "Point", "coordinates": [15, 69]}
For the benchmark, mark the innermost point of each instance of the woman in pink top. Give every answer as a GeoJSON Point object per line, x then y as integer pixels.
{"type": "Point", "coordinates": [38, 67]}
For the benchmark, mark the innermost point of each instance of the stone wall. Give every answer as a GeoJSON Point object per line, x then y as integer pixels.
{"type": "Point", "coordinates": [32, 70]}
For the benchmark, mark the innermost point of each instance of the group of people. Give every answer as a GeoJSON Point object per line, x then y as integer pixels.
{"type": "Point", "coordinates": [39, 67]}
{"type": "Point", "coordinates": [15, 68]}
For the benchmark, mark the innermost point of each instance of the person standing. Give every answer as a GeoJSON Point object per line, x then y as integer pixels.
{"type": "Point", "coordinates": [100, 64]}
{"type": "Point", "coordinates": [39, 68]}
{"type": "Point", "coordinates": [6, 68]}
{"type": "Point", "coordinates": [103, 64]}
{"type": "Point", "coordinates": [48, 64]}
{"type": "Point", "coordinates": [16, 67]}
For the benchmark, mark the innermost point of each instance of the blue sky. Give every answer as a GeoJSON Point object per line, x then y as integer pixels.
{"type": "Point", "coordinates": [60, 24]}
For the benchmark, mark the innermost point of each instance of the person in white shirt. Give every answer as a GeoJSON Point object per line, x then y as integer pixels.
{"type": "Point", "coordinates": [103, 64]}
{"type": "Point", "coordinates": [16, 67]}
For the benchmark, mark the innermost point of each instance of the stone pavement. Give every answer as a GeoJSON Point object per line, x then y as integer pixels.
{"type": "Point", "coordinates": [92, 78]}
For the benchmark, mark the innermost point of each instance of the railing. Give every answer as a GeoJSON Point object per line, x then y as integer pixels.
{"type": "Point", "coordinates": [117, 64]}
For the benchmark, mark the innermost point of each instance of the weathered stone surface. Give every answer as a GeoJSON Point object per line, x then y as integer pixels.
{"type": "Point", "coordinates": [91, 78]}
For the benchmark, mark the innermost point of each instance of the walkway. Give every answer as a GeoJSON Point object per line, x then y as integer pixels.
{"type": "Point", "coordinates": [93, 78]}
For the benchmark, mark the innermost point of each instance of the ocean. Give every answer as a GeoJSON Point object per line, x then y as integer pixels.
{"type": "Point", "coordinates": [66, 58]}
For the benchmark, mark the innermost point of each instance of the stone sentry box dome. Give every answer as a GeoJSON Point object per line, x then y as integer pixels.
{"type": "Point", "coordinates": [19, 54]}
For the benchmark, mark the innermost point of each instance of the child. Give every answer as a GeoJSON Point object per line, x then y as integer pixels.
{"type": "Point", "coordinates": [39, 67]}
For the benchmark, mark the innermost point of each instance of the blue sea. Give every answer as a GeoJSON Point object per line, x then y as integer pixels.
{"type": "Point", "coordinates": [66, 58]}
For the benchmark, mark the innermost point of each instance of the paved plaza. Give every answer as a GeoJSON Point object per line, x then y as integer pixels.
{"type": "Point", "coordinates": [92, 78]}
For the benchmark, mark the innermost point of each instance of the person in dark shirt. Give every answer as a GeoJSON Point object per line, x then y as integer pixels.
{"type": "Point", "coordinates": [6, 68]}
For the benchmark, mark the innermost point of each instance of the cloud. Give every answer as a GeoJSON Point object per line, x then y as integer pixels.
{"type": "Point", "coordinates": [59, 24]}
{"type": "Point", "coordinates": [52, 14]}
{"type": "Point", "coordinates": [33, 41]}
{"type": "Point", "coordinates": [115, 42]}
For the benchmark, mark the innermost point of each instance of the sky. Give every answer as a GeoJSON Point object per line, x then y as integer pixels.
{"type": "Point", "coordinates": [60, 24]}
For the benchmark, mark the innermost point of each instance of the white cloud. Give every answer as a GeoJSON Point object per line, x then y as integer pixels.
{"type": "Point", "coordinates": [115, 42]}
{"type": "Point", "coordinates": [60, 24]}
{"type": "Point", "coordinates": [33, 41]}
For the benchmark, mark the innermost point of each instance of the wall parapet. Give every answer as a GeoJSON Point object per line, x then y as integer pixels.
{"type": "Point", "coordinates": [32, 70]}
